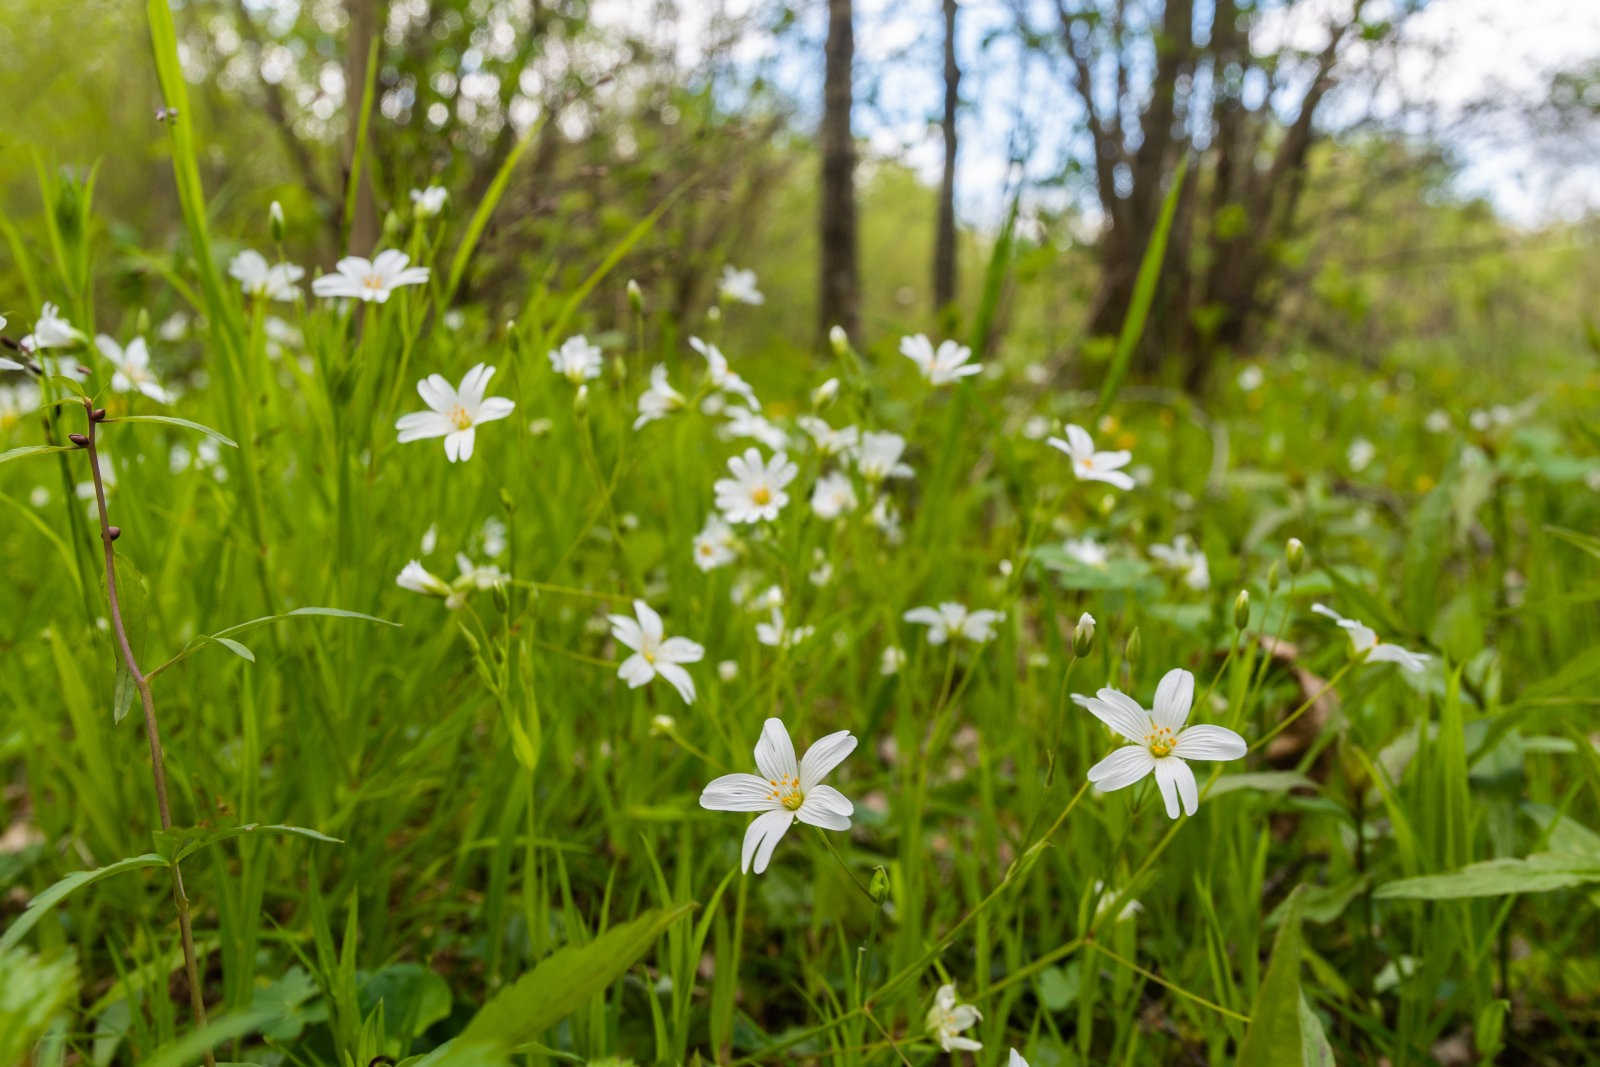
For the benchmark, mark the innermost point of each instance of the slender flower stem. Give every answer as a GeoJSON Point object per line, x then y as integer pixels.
{"type": "Point", "coordinates": [151, 729]}
{"type": "Point", "coordinates": [1174, 987]}
{"type": "Point", "coordinates": [1303, 708]}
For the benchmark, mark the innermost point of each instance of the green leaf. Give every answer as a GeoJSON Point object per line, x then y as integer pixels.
{"type": "Point", "coordinates": [1427, 548]}
{"type": "Point", "coordinates": [1314, 1048]}
{"type": "Point", "coordinates": [1582, 541]}
{"type": "Point", "coordinates": [123, 696]}
{"type": "Point", "coordinates": [1265, 781]}
{"type": "Point", "coordinates": [1323, 903]}
{"type": "Point", "coordinates": [188, 1049]}
{"type": "Point", "coordinates": [39, 905]}
{"type": "Point", "coordinates": [413, 998]}
{"type": "Point", "coordinates": [179, 845]}
{"type": "Point", "coordinates": [236, 648]}
{"type": "Point", "coordinates": [1144, 291]}
{"type": "Point", "coordinates": [1275, 1015]}
{"type": "Point", "coordinates": [1540, 872]}
{"type": "Point", "coordinates": [332, 613]}
{"type": "Point", "coordinates": [566, 979]}
{"type": "Point", "coordinates": [34, 450]}
{"type": "Point", "coordinates": [173, 420]}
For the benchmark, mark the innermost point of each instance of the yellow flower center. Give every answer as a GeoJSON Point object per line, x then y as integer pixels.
{"type": "Point", "coordinates": [1160, 740]}
{"type": "Point", "coordinates": [461, 417]}
{"type": "Point", "coordinates": [786, 791]}
{"type": "Point", "coordinates": [762, 496]}
{"type": "Point", "coordinates": [373, 282]}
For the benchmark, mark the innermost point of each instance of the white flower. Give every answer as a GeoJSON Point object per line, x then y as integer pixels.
{"type": "Point", "coordinates": [833, 495]}
{"type": "Point", "coordinates": [739, 286]}
{"type": "Point", "coordinates": [1161, 741]}
{"type": "Point", "coordinates": [775, 634]}
{"type": "Point", "coordinates": [1036, 428]}
{"type": "Point", "coordinates": [727, 670]}
{"type": "Point", "coordinates": [823, 394]}
{"type": "Point", "coordinates": [830, 442]}
{"type": "Point", "coordinates": [417, 578]}
{"type": "Point", "coordinates": [494, 537]}
{"type": "Point", "coordinates": [479, 576]}
{"type": "Point", "coordinates": [17, 401]}
{"type": "Point", "coordinates": [946, 1019]}
{"type": "Point", "coordinates": [783, 791]}
{"type": "Point", "coordinates": [132, 366]}
{"type": "Point", "coordinates": [576, 360]}
{"type": "Point", "coordinates": [1086, 550]}
{"type": "Point", "coordinates": [1364, 639]}
{"type": "Point", "coordinates": [1360, 453]}
{"type": "Point", "coordinates": [893, 658]}
{"type": "Point", "coordinates": [1106, 896]}
{"type": "Point", "coordinates": [428, 202]}
{"type": "Point", "coordinates": [714, 545]}
{"type": "Point", "coordinates": [370, 280]}
{"type": "Point", "coordinates": [1438, 421]}
{"type": "Point", "coordinates": [455, 413]}
{"type": "Point", "coordinates": [1250, 378]}
{"type": "Point", "coordinates": [742, 422]}
{"type": "Point", "coordinates": [886, 517]}
{"type": "Point", "coordinates": [653, 653]}
{"type": "Point", "coordinates": [947, 364]}
{"type": "Point", "coordinates": [7, 364]}
{"type": "Point", "coordinates": [722, 378]}
{"type": "Point", "coordinates": [879, 457]}
{"type": "Point", "coordinates": [51, 331]}
{"type": "Point", "coordinates": [755, 492]}
{"type": "Point", "coordinates": [1185, 558]}
{"type": "Point", "coordinates": [950, 619]}
{"type": "Point", "coordinates": [1016, 1060]}
{"type": "Point", "coordinates": [1089, 465]}
{"type": "Point", "coordinates": [175, 327]}
{"type": "Point", "coordinates": [430, 539]}
{"type": "Point", "coordinates": [263, 281]}
{"type": "Point", "coordinates": [822, 568]}
{"type": "Point", "coordinates": [658, 401]}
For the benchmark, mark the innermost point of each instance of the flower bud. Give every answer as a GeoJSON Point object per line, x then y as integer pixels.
{"type": "Point", "coordinates": [141, 322]}
{"type": "Point", "coordinates": [580, 401]}
{"type": "Point", "coordinates": [839, 340]}
{"type": "Point", "coordinates": [1130, 651]}
{"type": "Point", "coordinates": [1272, 577]}
{"type": "Point", "coordinates": [78, 439]}
{"type": "Point", "coordinates": [501, 597]}
{"type": "Point", "coordinates": [113, 532]}
{"type": "Point", "coordinates": [635, 296]}
{"type": "Point", "coordinates": [97, 415]}
{"type": "Point", "coordinates": [1295, 554]}
{"type": "Point", "coordinates": [663, 725]}
{"type": "Point", "coordinates": [878, 888]}
{"type": "Point", "coordinates": [713, 314]}
{"type": "Point", "coordinates": [1241, 609]}
{"type": "Point", "coordinates": [275, 222]}
{"type": "Point", "coordinates": [1083, 635]}
{"type": "Point", "coordinates": [824, 394]}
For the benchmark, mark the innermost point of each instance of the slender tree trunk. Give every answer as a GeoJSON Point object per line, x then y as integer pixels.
{"type": "Point", "coordinates": [944, 249]}
{"type": "Point", "coordinates": [363, 224]}
{"type": "Point", "coordinates": [839, 281]}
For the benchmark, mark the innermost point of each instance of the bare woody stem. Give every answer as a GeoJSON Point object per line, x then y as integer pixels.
{"type": "Point", "coordinates": [152, 731]}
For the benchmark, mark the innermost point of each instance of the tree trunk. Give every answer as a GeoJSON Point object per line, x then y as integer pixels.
{"type": "Point", "coordinates": [839, 281]}
{"type": "Point", "coordinates": [944, 249]}
{"type": "Point", "coordinates": [362, 226]}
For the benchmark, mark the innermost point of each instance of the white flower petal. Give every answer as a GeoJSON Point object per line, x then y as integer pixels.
{"type": "Point", "coordinates": [1117, 710]}
{"type": "Point", "coordinates": [1209, 742]}
{"type": "Point", "coordinates": [1169, 774]}
{"type": "Point", "coordinates": [823, 756]}
{"type": "Point", "coordinates": [636, 671]}
{"type": "Point", "coordinates": [762, 837]}
{"type": "Point", "coordinates": [1122, 768]}
{"type": "Point", "coordinates": [738, 792]}
{"type": "Point", "coordinates": [775, 752]}
{"type": "Point", "coordinates": [678, 678]}
{"type": "Point", "coordinates": [1174, 697]}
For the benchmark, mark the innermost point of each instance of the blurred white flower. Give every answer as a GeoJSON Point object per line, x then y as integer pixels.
{"type": "Point", "coordinates": [939, 366]}
{"type": "Point", "coordinates": [821, 572]}
{"type": "Point", "coordinates": [951, 619]}
{"type": "Point", "coordinates": [1161, 741]}
{"type": "Point", "coordinates": [479, 576]}
{"type": "Point", "coordinates": [776, 634]}
{"type": "Point", "coordinates": [886, 517]}
{"type": "Point", "coordinates": [784, 790]}
{"type": "Point", "coordinates": [132, 366]}
{"type": "Point", "coordinates": [893, 658]}
{"type": "Point", "coordinates": [714, 545]}
{"type": "Point", "coordinates": [39, 497]}
{"type": "Point", "coordinates": [824, 394]}
{"type": "Point", "coordinates": [830, 442]}
{"type": "Point", "coordinates": [1086, 550]}
{"type": "Point", "coordinates": [418, 579]}
{"type": "Point", "coordinates": [1360, 453]}
{"type": "Point", "coordinates": [175, 327]}
{"type": "Point", "coordinates": [455, 413]}
{"type": "Point", "coordinates": [1250, 378]}
{"type": "Point", "coordinates": [427, 203]}
{"type": "Point", "coordinates": [755, 492]}
{"type": "Point", "coordinates": [51, 331]}
{"type": "Point", "coordinates": [1036, 428]}
{"type": "Point", "coordinates": [947, 1018]}
{"type": "Point", "coordinates": [430, 539]}
{"type": "Point", "coordinates": [494, 537]}
{"type": "Point", "coordinates": [727, 670]}
{"type": "Point", "coordinates": [1106, 896]}
{"type": "Point", "coordinates": [833, 495]}
{"type": "Point", "coordinates": [1089, 465]}
{"type": "Point", "coordinates": [265, 281]}
{"type": "Point", "coordinates": [1364, 639]}
{"type": "Point", "coordinates": [879, 457]}
{"type": "Point", "coordinates": [722, 377]}
{"type": "Point", "coordinates": [658, 401]}
{"type": "Point", "coordinates": [742, 422]}
{"type": "Point", "coordinates": [1016, 1060]}
{"type": "Point", "coordinates": [1186, 558]}
{"type": "Point", "coordinates": [653, 653]}
{"type": "Point", "coordinates": [739, 286]}
{"type": "Point", "coordinates": [371, 280]}
{"type": "Point", "coordinates": [1438, 421]}
{"type": "Point", "coordinates": [17, 401]}
{"type": "Point", "coordinates": [576, 360]}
